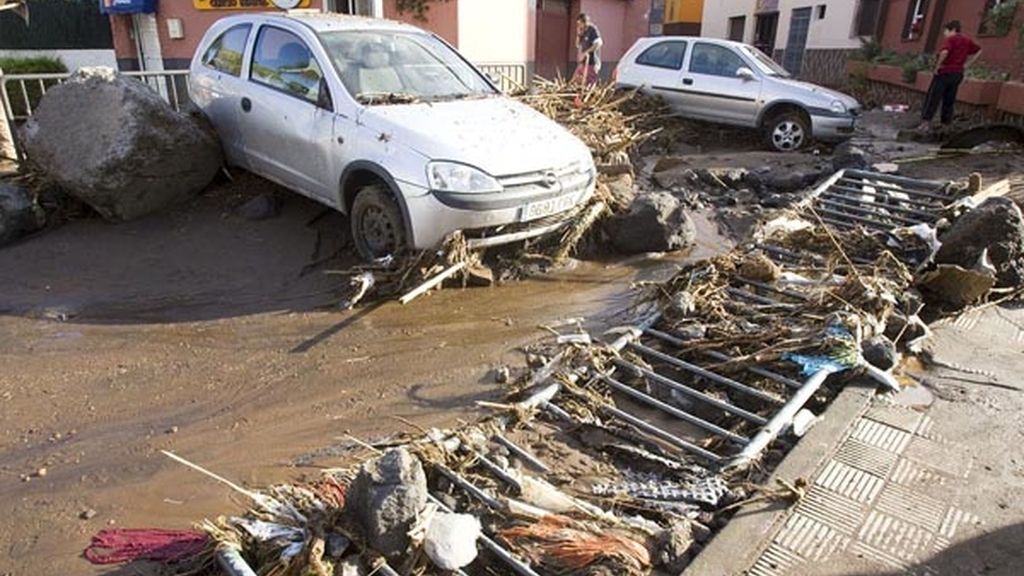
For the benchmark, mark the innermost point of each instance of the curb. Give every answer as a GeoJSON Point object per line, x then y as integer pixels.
{"type": "Point", "coordinates": [733, 550]}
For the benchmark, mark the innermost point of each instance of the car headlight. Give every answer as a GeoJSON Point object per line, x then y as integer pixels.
{"type": "Point", "coordinates": [452, 177]}
{"type": "Point", "coordinates": [838, 107]}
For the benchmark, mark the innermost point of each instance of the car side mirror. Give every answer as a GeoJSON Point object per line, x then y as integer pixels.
{"type": "Point", "coordinates": [745, 73]}
{"type": "Point", "coordinates": [323, 97]}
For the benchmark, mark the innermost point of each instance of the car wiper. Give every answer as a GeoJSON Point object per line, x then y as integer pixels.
{"type": "Point", "coordinates": [386, 98]}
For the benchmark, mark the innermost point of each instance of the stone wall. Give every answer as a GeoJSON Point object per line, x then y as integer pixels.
{"type": "Point", "coordinates": [826, 67]}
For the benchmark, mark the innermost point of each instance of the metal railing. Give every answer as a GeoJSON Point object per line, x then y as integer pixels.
{"type": "Point", "coordinates": [509, 77]}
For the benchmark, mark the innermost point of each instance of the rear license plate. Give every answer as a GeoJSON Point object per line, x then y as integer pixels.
{"type": "Point", "coordinates": [548, 207]}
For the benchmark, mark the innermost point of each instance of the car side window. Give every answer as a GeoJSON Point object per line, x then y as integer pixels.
{"type": "Point", "coordinates": [281, 60]}
{"type": "Point", "coordinates": [225, 53]}
{"type": "Point", "coordinates": [664, 55]}
{"type": "Point", "coordinates": [714, 60]}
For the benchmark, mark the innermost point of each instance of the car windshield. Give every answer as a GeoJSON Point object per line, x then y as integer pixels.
{"type": "Point", "coordinates": [394, 67]}
{"type": "Point", "coordinates": [764, 63]}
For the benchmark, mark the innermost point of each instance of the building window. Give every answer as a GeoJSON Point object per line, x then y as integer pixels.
{"type": "Point", "coordinates": [737, 27]}
{"type": "Point", "coordinates": [913, 28]}
{"type": "Point", "coordinates": [822, 9]}
{"type": "Point", "coordinates": [867, 17]}
{"type": "Point", "coordinates": [354, 7]}
{"type": "Point", "coordinates": [664, 55]}
{"type": "Point", "coordinates": [997, 19]}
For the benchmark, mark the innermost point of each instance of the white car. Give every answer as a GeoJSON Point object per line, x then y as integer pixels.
{"type": "Point", "coordinates": [390, 125]}
{"type": "Point", "coordinates": [733, 83]}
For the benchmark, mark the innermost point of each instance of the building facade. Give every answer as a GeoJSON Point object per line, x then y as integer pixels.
{"type": "Point", "coordinates": [813, 39]}
{"type": "Point", "coordinates": [683, 17]}
{"type": "Point", "coordinates": [915, 26]}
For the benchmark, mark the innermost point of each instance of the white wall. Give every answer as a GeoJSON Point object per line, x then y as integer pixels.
{"type": "Point", "coordinates": [835, 31]}
{"type": "Point", "coordinates": [73, 59]}
{"type": "Point", "coordinates": [494, 31]}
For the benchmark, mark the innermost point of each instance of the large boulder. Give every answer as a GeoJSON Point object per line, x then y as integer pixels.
{"type": "Point", "coordinates": [118, 146]}
{"type": "Point", "coordinates": [655, 222]}
{"type": "Point", "coordinates": [19, 213]}
{"type": "Point", "coordinates": [996, 225]}
{"type": "Point", "coordinates": [386, 499]}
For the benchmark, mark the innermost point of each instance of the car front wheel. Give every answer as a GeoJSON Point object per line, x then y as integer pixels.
{"type": "Point", "coordinates": [787, 132]}
{"type": "Point", "coordinates": [378, 229]}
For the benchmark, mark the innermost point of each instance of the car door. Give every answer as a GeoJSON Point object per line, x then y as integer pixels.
{"type": "Point", "coordinates": [217, 87]}
{"type": "Point", "coordinates": [659, 69]}
{"type": "Point", "coordinates": [286, 114]}
{"type": "Point", "coordinates": [720, 85]}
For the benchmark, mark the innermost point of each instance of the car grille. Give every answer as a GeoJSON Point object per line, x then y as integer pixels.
{"type": "Point", "coordinates": [564, 180]}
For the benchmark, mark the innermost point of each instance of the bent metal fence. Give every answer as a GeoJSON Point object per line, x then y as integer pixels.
{"type": "Point", "coordinates": [20, 93]}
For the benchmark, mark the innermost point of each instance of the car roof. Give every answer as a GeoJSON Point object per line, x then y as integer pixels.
{"type": "Point", "coordinates": [719, 41]}
{"type": "Point", "coordinates": [321, 22]}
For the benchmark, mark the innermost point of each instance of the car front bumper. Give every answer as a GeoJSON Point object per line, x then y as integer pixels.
{"type": "Point", "coordinates": [488, 219]}
{"type": "Point", "coordinates": [833, 127]}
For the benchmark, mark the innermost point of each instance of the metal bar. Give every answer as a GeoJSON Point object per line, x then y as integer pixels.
{"type": "Point", "coordinates": [754, 297]}
{"type": "Point", "coordinates": [894, 179]}
{"type": "Point", "coordinates": [231, 562]}
{"type": "Point", "coordinates": [517, 565]}
{"type": "Point", "coordinates": [770, 288]}
{"type": "Point", "coordinates": [780, 251]}
{"type": "Point", "coordinates": [860, 209]}
{"type": "Point", "coordinates": [666, 337]}
{"type": "Point", "coordinates": [783, 418]}
{"type": "Point", "coordinates": [495, 469]}
{"type": "Point", "coordinates": [860, 219]}
{"type": "Point", "coordinates": [844, 192]}
{"type": "Point", "coordinates": [469, 487]}
{"type": "Point", "coordinates": [174, 91]}
{"type": "Point", "coordinates": [42, 87]}
{"type": "Point", "coordinates": [896, 188]}
{"type": "Point", "coordinates": [839, 223]}
{"type": "Point", "coordinates": [669, 409]}
{"type": "Point", "coordinates": [723, 380]}
{"type": "Point", "coordinates": [735, 410]}
{"type": "Point", "coordinates": [558, 412]}
{"type": "Point", "coordinates": [522, 453]}
{"type": "Point", "coordinates": [24, 96]}
{"type": "Point", "coordinates": [666, 436]}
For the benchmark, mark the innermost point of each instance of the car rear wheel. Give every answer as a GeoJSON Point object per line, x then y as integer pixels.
{"type": "Point", "coordinates": [787, 132]}
{"type": "Point", "coordinates": [378, 229]}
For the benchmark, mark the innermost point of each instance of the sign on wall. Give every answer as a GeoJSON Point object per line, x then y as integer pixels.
{"type": "Point", "coordinates": [244, 4]}
{"type": "Point", "coordinates": [127, 6]}
{"type": "Point", "coordinates": [767, 6]}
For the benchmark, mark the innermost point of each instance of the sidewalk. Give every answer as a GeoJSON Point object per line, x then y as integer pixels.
{"type": "Point", "coordinates": [929, 482]}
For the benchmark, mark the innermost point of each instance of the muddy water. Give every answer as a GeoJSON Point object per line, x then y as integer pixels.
{"type": "Point", "coordinates": [216, 338]}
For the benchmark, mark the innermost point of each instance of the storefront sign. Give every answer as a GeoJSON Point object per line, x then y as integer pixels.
{"type": "Point", "coordinates": [245, 4]}
{"type": "Point", "coordinates": [127, 6]}
{"type": "Point", "coordinates": [767, 6]}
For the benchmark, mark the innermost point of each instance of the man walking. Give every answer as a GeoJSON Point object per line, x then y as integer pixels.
{"type": "Point", "coordinates": [957, 53]}
{"type": "Point", "coordinates": [588, 42]}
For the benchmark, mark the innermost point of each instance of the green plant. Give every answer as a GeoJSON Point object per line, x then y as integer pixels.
{"type": "Point", "coordinates": [914, 64]}
{"type": "Point", "coordinates": [418, 8]}
{"type": "Point", "coordinates": [33, 91]}
{"type": "Point", "coordinates": [981, 72]}
{"type": "Point", "coordinates": [999, 20]}
{"type": "Point", "coordinates": [868, 52]}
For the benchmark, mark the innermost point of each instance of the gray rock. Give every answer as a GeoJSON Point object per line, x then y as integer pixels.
{"type": "Point", "coordinates": [116, 145]}
{"type": "Point", "coordinates": [998, 225]}
{"type": "Point", "coordinates": [792, 180]}
{"type": "Point", "coordinates": [622, 189]}
{"type": "Point", "coordinates": [678, 177]}
{"type": "Point", "coordinates": [261, 207]}
{"type": "Point", "coordinates": [19, 213]}
{"type": "Point", "coordinates": [880, 352]}
{"type": "Point", "coordinates": [655, 222]}
{"type": "Point", "coordinates": [672, 547]}
{"type": "Point", "coordinates": [386, 498]}
{"type": "Point", "coordinates": [847, 156]}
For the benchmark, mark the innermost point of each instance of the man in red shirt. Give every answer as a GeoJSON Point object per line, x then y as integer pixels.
{"type": "Point", "coordinates": [957, 53]}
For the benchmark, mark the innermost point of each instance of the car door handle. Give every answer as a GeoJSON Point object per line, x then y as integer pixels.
{"type": "Point", "coordinates": [688, 81]}
{"type": "Point", "coordinates": [246, 104]}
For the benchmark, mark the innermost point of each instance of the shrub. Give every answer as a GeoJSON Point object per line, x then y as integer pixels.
{"type": "Point", "coordinates": [36, 65]}
{"type": "Point", "coordinates": [999, 20]}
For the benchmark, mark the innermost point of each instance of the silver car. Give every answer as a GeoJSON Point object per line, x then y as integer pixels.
{"type": "Point", "coordinates": [733, 83]}
{"type": "Point", "coordinates": [390, 125]}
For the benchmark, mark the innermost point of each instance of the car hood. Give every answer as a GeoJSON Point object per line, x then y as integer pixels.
{"type": "Point", "coordinates": [498, 135]}
{"type": "Point", "coordinates": [822, 95]}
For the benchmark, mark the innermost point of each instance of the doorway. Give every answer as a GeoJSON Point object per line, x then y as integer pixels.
{"type": "Point", "coordinates": [799, 26]}
{"type": "Point", "coordinates": [552, 38]}
{"type": "Point", "coordinates": [765, 28]}
{"type": "Point", "coordinates": [372, 8]}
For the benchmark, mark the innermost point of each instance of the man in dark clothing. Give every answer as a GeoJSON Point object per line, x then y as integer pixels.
{"type": "Point", "coordinates": [958, 52]}
{"type": "Point", "coordinates": [588, 42]}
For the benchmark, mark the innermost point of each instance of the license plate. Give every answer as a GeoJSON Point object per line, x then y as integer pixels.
{"type": "Point", "coordinates": [548, 207]}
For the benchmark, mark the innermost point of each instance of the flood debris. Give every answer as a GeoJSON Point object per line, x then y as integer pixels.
{"type": "Point", "coordinates": [131, 156]}
{"type": "Point", "coordinates": [20, 213]}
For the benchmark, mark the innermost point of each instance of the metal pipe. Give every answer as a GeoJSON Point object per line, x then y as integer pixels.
{"type": "Point", "coordinates": [839, 223]}
{"type": "Point", "coordinates": [522, 453]}
{"type": "Point", "coordinates": [735, 410]}
{"type": "Point", "coordinates": [666, 436]}
{"type": "Point", "coordinates": [895, 188]}
{"type": "Point", "coordinates": [723, 380]}
{"type": "Point", "coordinates": [894, 179]}
{"type": "Point", "coordinates": [852, 217]}
{"type": "Point", "coordinates": [516, 564]}
{"type": "Point", "coordinates": [469, 487]}
{"type": "Point", "coordinates": [860, 208]}
{"type": "Point", "coordinates": [741, 293]}
{"type": "Point", "coordinates": [781, 419]}
{"type": "Point", "coordinates": [669, 409]}
{"type": "Point", "coordinates": [778, 250]}
{"type": "Point", "coordinates": [848, 191]}
{"type": "Point", "coordinates": [770, 288]}
{"type": "Point", "coordinates": [496, 470]}
{"type": "Point", "coordinates": [888, 202]}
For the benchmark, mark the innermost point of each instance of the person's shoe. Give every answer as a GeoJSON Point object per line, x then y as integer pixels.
{"type": "Point", "coordinates": [924, 127]}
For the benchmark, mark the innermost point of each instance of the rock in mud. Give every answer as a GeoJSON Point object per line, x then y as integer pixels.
{"type": "Point", "coordinates": [622, 190]}
{"type": "Point", "coordinates": [759, 268]}
{"type": "Point", "coordinates": [19, 213]}
{"type": "Point", "coordinates": [677, 177]}
{"type": "Point", "coordinates": [261, 207]}
{"type": "Point", "coordinates": [848, 156]}
{"type": "Point", "coordinates": [655, 222]}
{"type": "Point", "coordinates": [385, 500]}
{"type": "Point", "coordinates": [116, 145]}
{"type": "Point", "coordinates": [672, 547]}
{"type": "Point", "coordinates": [880, 352]}
{"type": "Point", "coordinates": [792, 180]}
{"type": "Point", "coordinates": [997, 225]}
